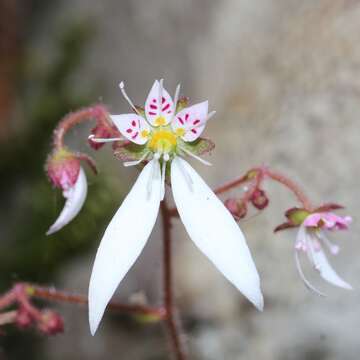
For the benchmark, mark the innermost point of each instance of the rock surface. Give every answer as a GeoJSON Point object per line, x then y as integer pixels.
{"type": "Point", "coordinates": [284, 77]}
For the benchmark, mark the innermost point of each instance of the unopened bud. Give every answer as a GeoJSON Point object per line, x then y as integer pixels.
{"type": "Point", "coordinates": [23, 319]}
{"type": "Point", "coordinates": [259, 199]}
{"type": "Point", "coordinates": [182, 103]}
{"type": "Point", "coordinates": [238, 209]}
{"type": "Point", "coordinates": [51, 323]}
{"type": "Point", "coordinates": [63, 168]}
{"type": "Point", "coordinates": [99, 131]}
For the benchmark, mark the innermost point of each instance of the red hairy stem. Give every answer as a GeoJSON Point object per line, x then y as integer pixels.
{"type": "Point", "coordinates": [171, 322]}
{"type": "Point", "coordinates": [224, 188]}
{"type": "Point", "coordinates": [52, 294]}
{"type": "Point", "coordinates": [291, 185]}
{"type": "Point", "coordinates": [96, 112]}
{"type": "Point", "coordinates": [232, 184]}
{"type": "Point", "coordinates": [257, 176]}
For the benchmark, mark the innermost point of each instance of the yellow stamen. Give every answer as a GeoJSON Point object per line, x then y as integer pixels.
{"type": "Point", "coordinates": [144, 133]}
{"type": "Point", "coordinates": [160, 121]}
{"type": "Point", "coordinates": [180, 132]}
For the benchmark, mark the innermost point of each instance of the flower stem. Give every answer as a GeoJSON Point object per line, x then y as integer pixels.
{"type": "Point", "coordinates": [96, 112]}
{"type": "Point", "coordinates": [291, 185]}
{"type": "Point", "coordinates": [260, 174]}
{"type": "Point", "coordinates": [231, 184]}
{"type": "Point", "coordinates": [63, 296]}
{"type": "Point", "coordinates": [22, 291]}
{"type": "Point", "coordinates": [172, 325]}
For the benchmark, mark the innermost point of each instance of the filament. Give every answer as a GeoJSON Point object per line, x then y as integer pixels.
{"type": "Point", "coordinates": [195, 156]}
{"type": "Point", "coordinates": [126, 97]}
{"type": "Point", "coordinates": [103, 140]}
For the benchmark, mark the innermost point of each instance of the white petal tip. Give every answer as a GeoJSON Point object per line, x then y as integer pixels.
{"type": "Point", "coordinates": [96, 310]}
{"type": "Point", "coordinates": [93, 328]}
{"type": "Point", "coordinates": [53, 230]}
{"type": "Point", "coordinates": [260, 304]}
{"type": "Point", "coordinates": [347, 286]}
{"type": "Point", "coordinates": [257, 300]}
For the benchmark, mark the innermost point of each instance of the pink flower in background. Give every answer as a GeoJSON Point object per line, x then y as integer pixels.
{"type": "Point", "coordinates": [328, 221]}
{"type": "Point", "coordinates": [312, 238]}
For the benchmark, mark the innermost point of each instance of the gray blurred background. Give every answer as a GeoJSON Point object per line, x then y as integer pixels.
{"type": "Point", "coordinates": [284, 77]}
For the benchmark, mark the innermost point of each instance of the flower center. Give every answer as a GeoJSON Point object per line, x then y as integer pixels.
{"type": "Point", "coordinates": [162, 141]}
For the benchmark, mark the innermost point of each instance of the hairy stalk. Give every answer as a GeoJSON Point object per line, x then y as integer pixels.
{"type": "Point", "coordinates": [231, 184]}
{"type": "Point", "coordinates": [172, 325]}
{"type": "Point", "coordinates": [23, 290]}
{"type": "Point", "coordinates": [62, 296]}
{"type": "Point", "coordinates": [257, 175]}
{"type": "Point", "coordinates": [96, 112]}
{"type": "Point", "coordinates": [291, 185]}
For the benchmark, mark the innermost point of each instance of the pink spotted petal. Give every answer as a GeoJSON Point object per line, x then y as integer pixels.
{"type": "Point", "coordinates": [134, 127]}
{"type": "Point", "coordinates": [192, 120]}
{"type": "Point", "coordinates": [159, 105]}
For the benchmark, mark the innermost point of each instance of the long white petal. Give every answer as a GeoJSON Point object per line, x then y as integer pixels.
{"type": "Point", "coordinates": [124, 239]}
{"type": "Point", "coordinates": [326, 271]}
{"type": "Point", "coordinates": [304, 279]}
{"type": "Point", "coordinates": [75, 198]}
{"type": "Point", "coordinates": [212, 228]}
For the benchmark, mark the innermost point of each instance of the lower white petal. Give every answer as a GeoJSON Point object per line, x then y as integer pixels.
{"type": "Point", "coordinates": [303, 278]}
{"type": "Point", "coordinates": [124, 239]}
{"type": "Point", "coordinates": [212, 228]}
{"type": "Point", "coordinates": [326, 271]}
{"type": "Point", "coordinates": [75, 198]}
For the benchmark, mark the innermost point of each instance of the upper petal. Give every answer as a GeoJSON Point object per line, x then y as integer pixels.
{"type": "Point", "coordinates": [124, 239]}
{"type": "Point", "coordinates": [159, 107]}
{"type": "Point", "coordinates": [190, 122]}
{"type": "Point", "coordinates": [75, 198]}
{"type": "Point", "coordinates": [134, 127]}
{"type": "Point", "coordinates": [212, 228]}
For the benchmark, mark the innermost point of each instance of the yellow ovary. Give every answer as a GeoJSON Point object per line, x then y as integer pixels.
{"type": "Point", "coordinates": [162, 141]}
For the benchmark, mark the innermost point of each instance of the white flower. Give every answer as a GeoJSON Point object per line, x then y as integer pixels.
{"type": "Point", "coordinates": [310, 239]}
{"type": "Point", "coordinates": [209, 224]}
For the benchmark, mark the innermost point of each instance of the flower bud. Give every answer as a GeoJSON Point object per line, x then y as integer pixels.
{"type": "Point", "coordinates": [259, 199]}
{"type": "Point", "coordinates": [99, 131]}
{"type": "Point", "coordinates": [182, 103]}
{"type": "Point", "coordinates": [63, 168]}
{"type": "Point", "coordinates": [23, 319]}
{"type": "Point", "coordinates": [51, 323]}
{"type": "Point", "coordinates": [238, 209]}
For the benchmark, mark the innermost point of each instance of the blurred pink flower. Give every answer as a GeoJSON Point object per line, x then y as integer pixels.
{"type": "Point", "coordinates": [311, 238]}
